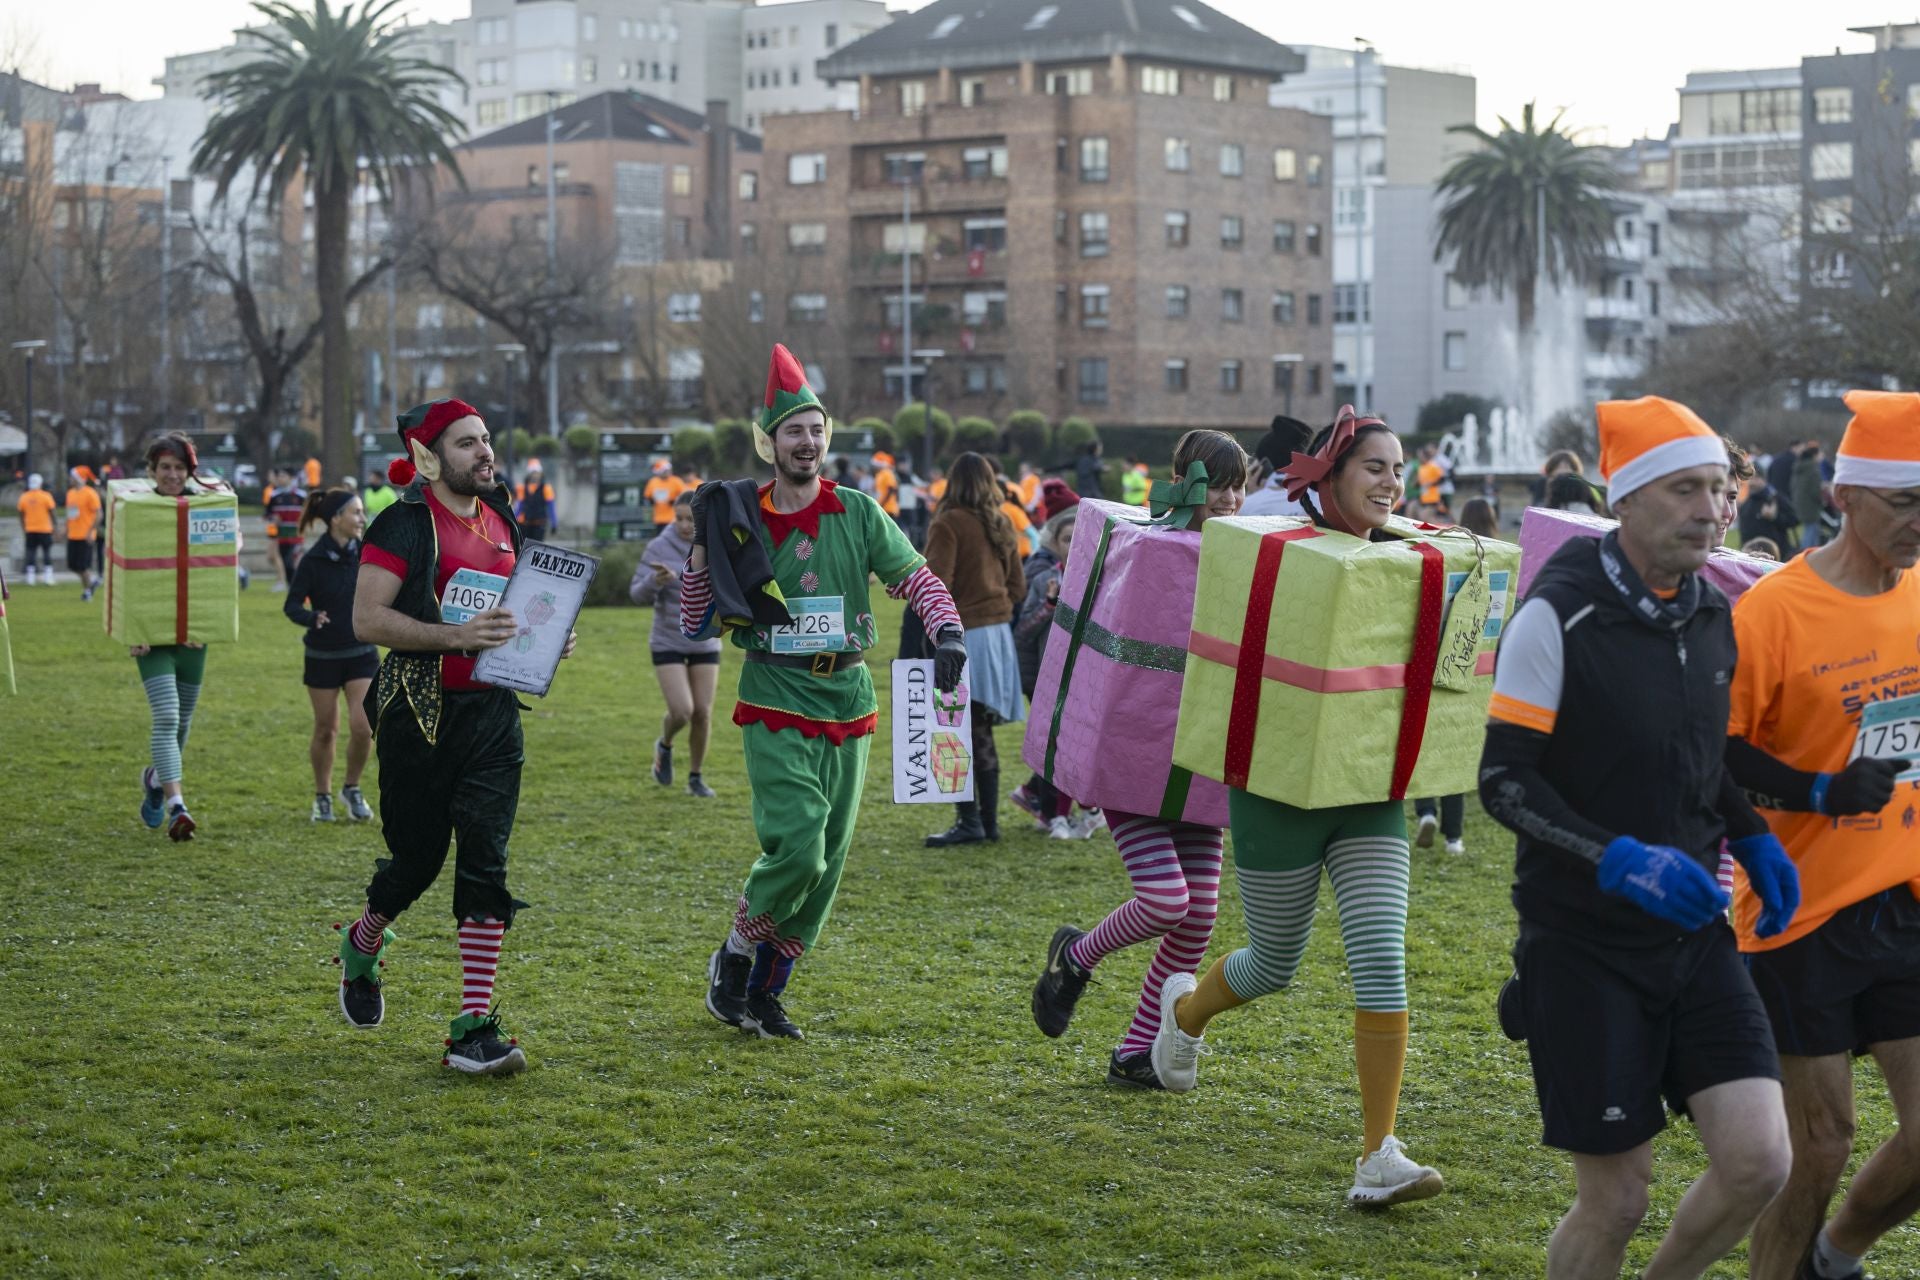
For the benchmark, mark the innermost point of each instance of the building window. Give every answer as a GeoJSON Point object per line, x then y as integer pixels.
{"type": "Point", "coordinates": [1093, 235]}
{"type": "Point", "coordinates": [682, 180]}
{"type": "Point", "coordinates": [806, 168]}
{"type": "Point", "coordinates": [493, 31]}
{"type": "Point", "coordinates": [1313, 308]}
{"type": "Point", "coordinates": [1457, 294]}
{"type": "Point", "coordinates": [1223, 88]}
{"type": "Point", "coordinates": [1653, 297]}
{"type": "Point", "coordinates": [1177, 227]}
{"type": "Point", "coordinates": [749, 239]}
{"type": "Point", "coordinates": [626, 69]}
{"type": "Point", "coordinates": [1453, 352]}
{"type": "Point", "coordinates": [1313, 239]}
{"type": "Point", "coordinates": [1060, 304]}
{"type": "Point", "coordinates": [903, 166]}
{"type": "Point", "coordinates": [1233, 160]}
{"type": "Point", "coordinates": [683, 308]}
{"type": "Point", "coordinates": [973, 91]}
{"type": "Point", "coordinates": [1833, 106]}
{"type": "Point", "coordinates": [1176, 375]}
{"type": "Point", "coordinates": [1316, 170]}
{"type": "Point", "coordinates": [896, 239]}
{"type": "Point", "coordinates": [986, 309]}
{"type": "Point", "coordinates": [589, 28]}
{"type": "Point", "coordinates": [1230, 231]}
{"type": "Point", "coordinates": [1093, 380]}
{"type": "Point", "coordinates": [1179, 155]}
{"type": "Point", "coordinates": [806, 308]}
{"type": "Point", "coordinates": [1283, 376]}
{"type": "Point", "coordinates": [682, 232]}
{"type": "Point", "coordinates": [833, 35]}
{"type": "Point", "coordinates": [806, 237]}
{"type": "Point", "coordinates": [1233, 308]}
{"type": "Point", "coordinates": [984, 162]}
{"type": "Point", "coordinates": [1653, 239]}
{"type": "Point", "coordinates": [1093, 306]}
{"type": "Point", "coordinates": [913, 97]}
{"type": "Point", "coordinates": [749, 187]}
{"type": "Point", "coordinates": [589, 70]}
{"type": "Point", "coordinates": [1176, 302]}
{"type": "Point", "coordinates": [1283, 306]}
{"type": "Point", "coordinates": [1230, 376]}
{"type": "Point", "coordinates": [1093, 159]}
{"type": "Point", "coordinates": [1913, 157]}
{"type": "Point", "coordinates": [489, 71]}
{"type": "Point", "coordinates": [1313, 379]}
{"type": "Point", "coordinates": [1832, 217]}
{"type": "Point", "coordinates": [1075, 82]}
{"type": "Point", "coordinates": [1830, 161]}
{"type": "Point", "coordinates": [492, 111]}
{"type": "Point", "coordinates": [1283, 235]}
{"type": "Point", "coordinates": [1059, 226]}
{"type": "Point", "coordinates": [986, 234]}
{"type": "Point", "coordinates": [1344, 306]}
{"type": "Point", "coordinates": [1286, 164]}
{"type": "Point", "coordinates": [1161, 80]}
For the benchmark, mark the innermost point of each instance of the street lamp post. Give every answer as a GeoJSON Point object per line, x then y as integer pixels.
{"type": "Point", "coordinates": [927, 356]}
{"type": "Point", "coordinates": [553, 256]}
{"type": "Point", "coordinates": [1361, 304]}
{"type": "Point", "coordinates": [30, 346]}
{"type": "Point", "coordinates": [512, 351]}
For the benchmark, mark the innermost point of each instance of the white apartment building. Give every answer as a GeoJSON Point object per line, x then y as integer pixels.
{"type": "Point", "coordinates": [1389, 128]}
{"type": "Point", "coordinates": [521, 56]}
{"type": "Point", "coordinates": [1627, 305]}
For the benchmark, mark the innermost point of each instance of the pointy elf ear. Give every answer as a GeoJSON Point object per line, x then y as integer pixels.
{"type": "Point", "coordinates": [425, 461]}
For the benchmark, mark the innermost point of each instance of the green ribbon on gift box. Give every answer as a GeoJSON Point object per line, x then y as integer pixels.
{"type": "Point", "coordinates": [1172, 503]}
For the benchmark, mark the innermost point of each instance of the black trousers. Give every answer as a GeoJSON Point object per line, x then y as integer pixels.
{"type": "Point", "coordinates": [463, 791]}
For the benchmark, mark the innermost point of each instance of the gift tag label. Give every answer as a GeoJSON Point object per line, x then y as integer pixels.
{"type": "Point", "coordinates": [1468, 615]}
{"type": "Point", "coordinates": [819, 626]}
{"type": "Point", "coordinates": [468, 592]}
{"type": "Point", "coordinates": [1890, 730]}
{"type": "Point", "coordinates": [205, 527]}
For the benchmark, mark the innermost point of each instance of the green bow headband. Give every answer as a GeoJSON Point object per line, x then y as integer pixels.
{"type": "Point", "coordinates": [1172, 502]}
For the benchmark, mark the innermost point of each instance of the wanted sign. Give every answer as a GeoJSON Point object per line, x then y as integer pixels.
{"type": "Point", "coordinates": [544, 594]}
{"type": "Point", "coordinates": [932, 737]}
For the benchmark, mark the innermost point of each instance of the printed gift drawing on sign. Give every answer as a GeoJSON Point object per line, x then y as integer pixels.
{"type": "Point", "coordinates": [932, 737]}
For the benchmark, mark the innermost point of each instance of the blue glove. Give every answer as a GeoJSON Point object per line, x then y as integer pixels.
{"type": "Point", "coordinates": [1661, 881]}
{"type": "Point", "coordinates": [1773, 877]}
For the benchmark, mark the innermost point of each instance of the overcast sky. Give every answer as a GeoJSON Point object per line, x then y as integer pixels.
{"type": "Point", "coordinates": [1614, 66]}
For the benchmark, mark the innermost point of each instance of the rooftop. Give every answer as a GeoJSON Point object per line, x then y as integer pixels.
{"type": "Point", "coordinates": [966, 34]}
{"type": "Point", "coordinates": [613, 116]}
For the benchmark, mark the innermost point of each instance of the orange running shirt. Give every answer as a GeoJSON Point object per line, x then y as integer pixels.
{"type": "Point", "coordinates": [1811, 657]}
{"type": "Point", "coordinates": [886, 490]}
{"type": "Point", "coordinates": [36, 511]}
{"type": "Point", "coordinates": [661, 492]}
{"type": "Point", "coordinates": [83, 512]}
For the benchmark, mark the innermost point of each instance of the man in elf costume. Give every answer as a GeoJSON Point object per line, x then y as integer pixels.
{"type": "Point", "coordinates": [807, 706]}
{"type": "Point", "coordinates": [432, 568]}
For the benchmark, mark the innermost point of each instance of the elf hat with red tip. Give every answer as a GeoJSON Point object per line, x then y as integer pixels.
{"type": "Point", "coordinates": [1645, 439]}
{"type": "Point", "coordinates": [787, 394]}
{"type": "Point", "coordinates": [1881, 449]}
{"type": "Point", "coordinates": [420, 426]}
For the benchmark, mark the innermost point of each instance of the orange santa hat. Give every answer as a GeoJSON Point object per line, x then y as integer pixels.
{"type": "Point", "coordinates": [1881, 448]}
{"type": "Point", "coordinates": [1645, 439]}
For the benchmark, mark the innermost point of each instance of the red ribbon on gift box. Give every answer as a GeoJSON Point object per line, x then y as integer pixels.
{"type": "Point", "coordinates": [1252, 664]}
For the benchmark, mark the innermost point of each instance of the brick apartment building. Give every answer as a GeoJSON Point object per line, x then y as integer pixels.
{"type": "Point", "coordinates": [1108, 218]}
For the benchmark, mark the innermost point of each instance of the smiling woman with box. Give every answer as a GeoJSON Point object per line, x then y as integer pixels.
{"type": "Point", "coordinates": [173, 540]}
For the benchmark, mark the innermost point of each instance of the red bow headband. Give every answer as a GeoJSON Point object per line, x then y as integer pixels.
{"type": "Point", "coordinates": [1306, 470]}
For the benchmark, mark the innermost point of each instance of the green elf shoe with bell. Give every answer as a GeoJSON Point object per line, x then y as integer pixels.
{"type": "Point", "coordinates": [361, 1002]}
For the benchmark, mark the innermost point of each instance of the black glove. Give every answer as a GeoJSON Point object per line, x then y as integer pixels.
{"type": "Point", "coordinates": [701, 496]}
{"type": "Point", "coordinates": [1864, 786]}
{"type": "Point", "coordinates": [949, 656]}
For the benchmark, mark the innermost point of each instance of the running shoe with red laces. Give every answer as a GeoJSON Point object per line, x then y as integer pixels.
{"type": "Point", "coordinates": [180, 824]}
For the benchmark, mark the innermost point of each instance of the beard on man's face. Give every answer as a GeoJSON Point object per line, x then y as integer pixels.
{"type": "Point", "coordinates": [465, 483]}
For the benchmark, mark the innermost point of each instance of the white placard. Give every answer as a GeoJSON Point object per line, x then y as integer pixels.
{"type": "Point", "coordinates": [932, 737]}
{"type": "Point", "coordinates": [548, 586]}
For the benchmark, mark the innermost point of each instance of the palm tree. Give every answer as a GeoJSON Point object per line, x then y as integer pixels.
{"type": "Point", "coordinates": [1500, 201]}
{"type": "Point", "coordinates": [333, 94]}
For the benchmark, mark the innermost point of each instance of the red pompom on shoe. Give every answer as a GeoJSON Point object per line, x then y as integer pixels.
{"type": "Point", "coordinates": [400, 472]}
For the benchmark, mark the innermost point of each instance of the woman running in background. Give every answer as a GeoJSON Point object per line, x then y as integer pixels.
{"type": "Point", "coordinates": [320, 598]}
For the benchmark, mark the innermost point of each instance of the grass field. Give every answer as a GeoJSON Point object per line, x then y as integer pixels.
{"type": "Point", "coordinates": [182, 1097]}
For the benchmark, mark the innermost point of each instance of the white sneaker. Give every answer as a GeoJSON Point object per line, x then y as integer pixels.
{"type": "Point", "coordinates": [1456, 846]}
{"type": "Point", "coordinates": [1176, 1055]}
{"type": "Point", "coordinates": [1061, 829]}
{"type": "Point", "coordinates": [1423, 839]}
{"type": "Point", "coordinates": [1389, 1177]}
{"type": "Point", "coordinates": [1089, 823]}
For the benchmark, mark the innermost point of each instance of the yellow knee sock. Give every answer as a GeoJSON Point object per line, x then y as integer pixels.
{"type": "Point", "coordinates": [1213, 995]}
{"type": "Point", "coordinates": [1380, 1055]}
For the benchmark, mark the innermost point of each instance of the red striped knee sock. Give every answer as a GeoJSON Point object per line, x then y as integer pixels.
{"type": "Point", "coordinates": [479, 960]}
{"type": "Point", "coordinates": [366, 931]}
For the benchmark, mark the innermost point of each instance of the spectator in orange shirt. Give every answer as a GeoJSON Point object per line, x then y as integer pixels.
{"type": "Point", "coordinates": [36, 518]}
{"type": "Point", "coordinates": [83, 529]}
{"type": "Point", "coordinates": [886, 484]}
{"type": "Point", "coordinates": [313, 473]}
{"type": "Point", "coordinates": [662, 491]}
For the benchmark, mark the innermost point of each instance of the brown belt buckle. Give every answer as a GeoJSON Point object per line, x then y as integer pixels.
{"type": "Point", "coordinates": [824, 663]}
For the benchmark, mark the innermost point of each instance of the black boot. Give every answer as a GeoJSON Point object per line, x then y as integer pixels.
{"type": "Point", "coordinates": [987, 789]}
{"type": "Point", "coordinates": [966, 828]}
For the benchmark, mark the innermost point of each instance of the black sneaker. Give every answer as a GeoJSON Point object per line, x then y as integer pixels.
{"type": "Point", "coordinates": [1060, 985]}
{"type": "Point", "coordinates": [477, 1049]}
{"type": "Point", "coordinates": [727, 987]}
{"type": "Point", "coordinates": [696, 787]}
{"type": "Point", "coordinates": [1134, 1072]}
{"type": "Point", "coordinates": [362, 1004]}
{"type": "Point", "coordinates": [769, 1018]}
{"type": "Point", "coordinates": [662, 763]}
{"type": "Point", "coordinates": [1513, 1022]}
